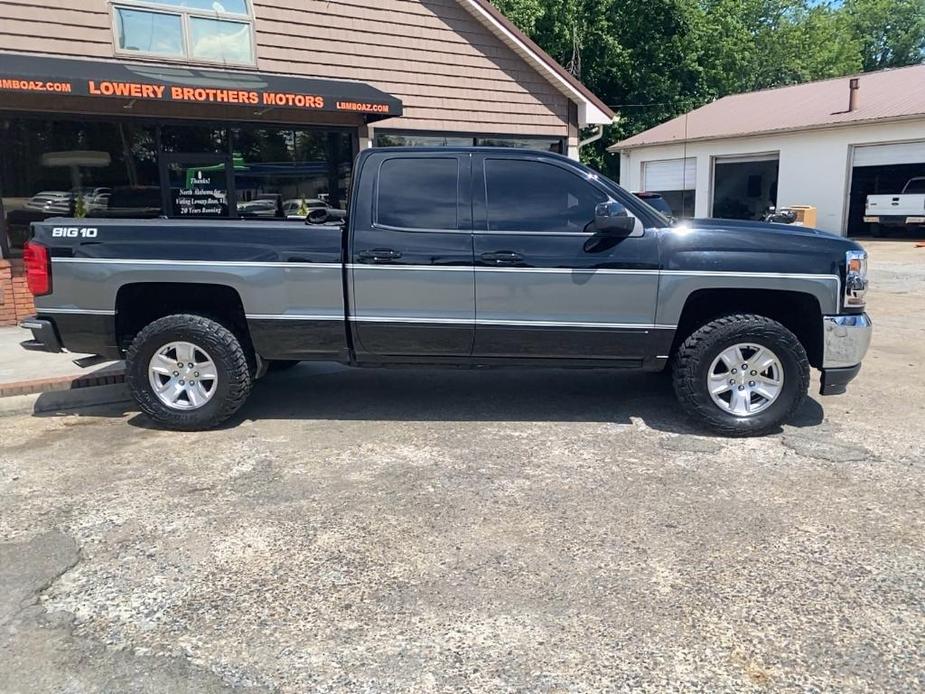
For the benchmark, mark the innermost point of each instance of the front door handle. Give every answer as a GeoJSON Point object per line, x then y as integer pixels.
{"type": "Point", "coordinates": [502, 258]}
{"type": "Point", "coordinates": [379, 255]}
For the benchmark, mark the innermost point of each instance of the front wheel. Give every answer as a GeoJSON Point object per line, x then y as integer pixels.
{"type": "Point", "coordinates": [742, 375]}
{"type": "Point", "coordinates": [188, 373]}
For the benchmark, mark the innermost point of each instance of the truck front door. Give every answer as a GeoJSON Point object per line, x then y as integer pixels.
{"type": "Point", "coordinates": [410, 257]}
{"type": "Point", "coordinates": [547, 285]}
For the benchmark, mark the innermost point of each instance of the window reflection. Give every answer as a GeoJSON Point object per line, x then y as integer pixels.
{"type": "Point", "coordinates": [424, 139]}
{"type": "Point", "coordinates": [220, 6]}
{"type": "Point", "coordinates": [155, 33]}
{"type": "Point", "coordinates": [227, 42]}
{"type": "Point", "coordinates": [287, 173]}
{"type": "Point", "coordinates": [535, 196]}
{"type": "Point", "coordinates": [200, 139]}
{"type": "Point", "coordinates": [208, 30]}
{"type": "Point", "coordinates": [418, 193]}
{"type": "Point", "coordinates": [550, 144]}
{"type": "Point", "coordinates": [96, 169]}
{"type": "Point", "coordinates": [91, 169]}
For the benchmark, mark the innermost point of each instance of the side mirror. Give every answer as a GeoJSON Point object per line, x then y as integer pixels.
{"type": "Point", "coordinates": [612, 218]}
{"type": "Point", "coordinates": [324, 215]}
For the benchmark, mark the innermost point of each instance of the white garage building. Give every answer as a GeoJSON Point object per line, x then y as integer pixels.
{"type": "Point", "coordinates": [828, 144]}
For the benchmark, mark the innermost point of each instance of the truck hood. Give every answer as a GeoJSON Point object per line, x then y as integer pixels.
{"type": "Point", "coordinates": [750, 226]}
{"type": "Point", "coordinates": [733, 245]}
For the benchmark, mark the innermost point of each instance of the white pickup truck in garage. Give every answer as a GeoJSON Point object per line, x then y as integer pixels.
{"type": "Point", "coordinates": [904, 211]}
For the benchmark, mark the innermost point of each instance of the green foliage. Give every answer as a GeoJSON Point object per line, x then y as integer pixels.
{"type": "Point", "coordinates": [890, 33]}
{"type": "Point", "coordinates": [652, 60]}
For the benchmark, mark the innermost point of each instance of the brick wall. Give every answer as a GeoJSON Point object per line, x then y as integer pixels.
{"type": "Point", "coordinates": [15, 299]}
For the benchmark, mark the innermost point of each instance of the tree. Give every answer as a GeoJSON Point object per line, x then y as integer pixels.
{"type": "Point", "coordinates": [891, 33]}
{"type": "Point", "coordinates": [652, 60]}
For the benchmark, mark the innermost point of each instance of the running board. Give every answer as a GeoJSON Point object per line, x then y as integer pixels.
{"type": "Point", "coordinates": [93, 360]}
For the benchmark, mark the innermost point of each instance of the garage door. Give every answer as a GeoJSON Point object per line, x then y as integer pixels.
{"type": "Point", "coordinates": [670, 174]}
{"type": "Point", "coordinates": [886, 155]}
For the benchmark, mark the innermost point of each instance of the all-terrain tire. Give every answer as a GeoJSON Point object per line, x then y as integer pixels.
{"type": "Point", "coordinates": [696, 355]}
{"type": "Point", "coordinates": [235, 378]}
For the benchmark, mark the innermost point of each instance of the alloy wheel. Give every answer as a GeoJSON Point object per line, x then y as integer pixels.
{"type": "Point", "coordinates": [183, 376]}
{"type": "Point", "coordinates": [745, 379]}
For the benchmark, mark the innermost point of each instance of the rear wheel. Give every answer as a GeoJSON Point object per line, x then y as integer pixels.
{"type": "Point", "coordinates": [742, 375]}
{"type": "Point", "coordinates": [188, 373]}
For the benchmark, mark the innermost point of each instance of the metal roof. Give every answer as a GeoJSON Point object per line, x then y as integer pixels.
{"type": "Point", "coordinates": [884, 95]}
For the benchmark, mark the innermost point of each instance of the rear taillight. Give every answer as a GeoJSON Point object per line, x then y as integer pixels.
{"type": "Point", "coordinates": [38, 268]}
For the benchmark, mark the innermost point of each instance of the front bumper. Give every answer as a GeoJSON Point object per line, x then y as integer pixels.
{"type": "Point", "coordinates": [846, 338]}
{"type": "Point", "coordinates": [44, 336]}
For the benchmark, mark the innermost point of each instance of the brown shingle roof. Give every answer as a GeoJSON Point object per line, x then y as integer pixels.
{"type": "Point", "coordinates": [888, 94]}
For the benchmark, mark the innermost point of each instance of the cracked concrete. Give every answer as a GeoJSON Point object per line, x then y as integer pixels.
{"type": "Point", "coordinates": [487, 531]}
{"type": "Point", "coordinates": [39, 650]}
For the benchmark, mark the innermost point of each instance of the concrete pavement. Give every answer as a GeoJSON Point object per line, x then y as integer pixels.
{"type": "Point", "coordinates": [23, 372]}
{"type": "Point", "coordinates": [439, 531]}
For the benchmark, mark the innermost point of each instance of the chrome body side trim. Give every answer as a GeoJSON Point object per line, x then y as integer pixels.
{"type": "Point", "coordinates": [846, 339]}
{"type": "Point", "coordinates": [207, 263]}
{"type": "Point", "coordinates": [76, 311]}
{"type": "Point", "coordinates": [527, 323]}
{"type": "Point", "coordinates": [446, 268]}
{"type": "Point", "coordinates": [291, 316]}
{"type": "Point", "coordinates": [385, 266]}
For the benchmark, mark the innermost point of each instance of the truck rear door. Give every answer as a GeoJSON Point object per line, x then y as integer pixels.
{"type": "Point", "coordinates": [410, 263]}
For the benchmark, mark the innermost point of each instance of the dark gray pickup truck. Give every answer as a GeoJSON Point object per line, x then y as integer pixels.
{"type": "Point", "coordinates": [461, 257]}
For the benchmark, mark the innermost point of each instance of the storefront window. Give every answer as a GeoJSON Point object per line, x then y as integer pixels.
{"type": "Point", "coordinates": [71, 168]}
{"type": "Point", "coordinates": [204, 139]}
{"type": "Point", "coordinates": [424, 139]}
{"type": "Point", "coordinates": [286, 173]}
{"type": "Point", "coordinates": [96, 169]}
{"type": "Point", "coordinates": [550, 144]}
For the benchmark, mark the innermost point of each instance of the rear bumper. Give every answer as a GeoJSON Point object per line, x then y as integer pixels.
{"type": "Point", "coordinates": [895, 220]}
{"type": "Point", "coordinates": [846, 340]}
{"type": "Point", "coordinates": [44, 336]}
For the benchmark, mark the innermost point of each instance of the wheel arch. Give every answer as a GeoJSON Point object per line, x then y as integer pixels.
{"type": "Point", "coordinates": [800, 312]}
{"type": "Point", "coordinates": [140, 303]}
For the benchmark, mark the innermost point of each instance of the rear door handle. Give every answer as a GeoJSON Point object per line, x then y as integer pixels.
{"type": "Point", "coordinates": [502, 258]}
{"type": "Point", "coordinates": [379, 255]}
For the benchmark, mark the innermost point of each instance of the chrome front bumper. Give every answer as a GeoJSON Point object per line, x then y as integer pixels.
{"type": "Point", "coordinates": [846, 338]}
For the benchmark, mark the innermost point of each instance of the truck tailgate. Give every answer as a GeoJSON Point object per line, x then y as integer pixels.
{"type": "Point", "coordinates": [911, 205]}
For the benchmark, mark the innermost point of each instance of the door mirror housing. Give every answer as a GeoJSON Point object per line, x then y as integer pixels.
{"type": "Point", "coordinates": [612, 218]}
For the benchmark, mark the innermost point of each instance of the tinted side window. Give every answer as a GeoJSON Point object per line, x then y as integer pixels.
{"type": "Point", "coordinates": [418, 193]}
{"type": "Point", "coordinates": [535, 196]}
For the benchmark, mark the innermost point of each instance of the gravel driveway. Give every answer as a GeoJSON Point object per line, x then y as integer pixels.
{"type": "Point", "coordinates": [477, 531]}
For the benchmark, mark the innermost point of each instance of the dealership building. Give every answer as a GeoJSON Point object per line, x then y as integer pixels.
{"type": "Point", "coordinates": [250, 109]}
